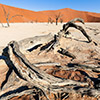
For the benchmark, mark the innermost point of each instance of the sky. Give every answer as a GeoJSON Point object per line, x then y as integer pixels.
{"type": "Point", "coordinates": [40, 5]}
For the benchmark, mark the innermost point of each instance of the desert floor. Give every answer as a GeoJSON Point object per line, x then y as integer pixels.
{"type": "Point", "coordinates": [18, 31]}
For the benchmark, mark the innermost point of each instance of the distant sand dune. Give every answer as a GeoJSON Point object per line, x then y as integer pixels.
{"type": "Point", "coordinates": [42, 16]}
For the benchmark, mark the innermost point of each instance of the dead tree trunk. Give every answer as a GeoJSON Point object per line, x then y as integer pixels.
{"type": "Point", "coordinates": [38, 78]}
{"type": "Point", "coordinates": [61, 20]}
{"type": "Point", "coordinates": [7, 16]}
{"type": "Point", "coordinates": [57, 17]}
{"type": "Point", "coordinates": [8, 25]}
{"type": "Point", "coordinates": [56, 21]}
{"type": "Point", "coordinates": [2, 24]}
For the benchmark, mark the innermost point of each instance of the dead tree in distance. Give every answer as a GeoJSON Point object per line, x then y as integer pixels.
{"type": "Point", "coordinates": [1, 23]}
{"type": "Point", "coordinates": [57, 16]}
{"type": "Point", "coordinates": [61, 20]}
{"type": "Point", "coordinates": [7, 14]}
{"type": "Point", "coordinates": [50, 20]}
{"type": "Point", "coordinates": [36, 20]}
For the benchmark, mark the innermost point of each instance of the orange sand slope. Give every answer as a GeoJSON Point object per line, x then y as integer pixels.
{"type": "Point", "coordinates": [42, 16]}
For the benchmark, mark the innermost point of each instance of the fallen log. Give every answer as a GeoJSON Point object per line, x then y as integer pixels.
{"type": "Point", "coordinates": [36, 77]}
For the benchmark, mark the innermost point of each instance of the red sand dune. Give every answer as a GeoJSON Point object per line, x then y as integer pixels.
{"type": "Point", "coordinates": [42, 16]}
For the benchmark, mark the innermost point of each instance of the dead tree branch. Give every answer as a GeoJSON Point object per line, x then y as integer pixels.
{"type": "Point", "coordinates": [71, 24]}
{"type": "Point", "coordinates": [7, 14]}
{"type": "Point", "coordinates": [50, 20]}
{"type": "Point", "coordinates": [64, 52]}
{"type": "Point", "coordinates": [15, 16]}
{"type": "Point", "coordinates": [77, 19]}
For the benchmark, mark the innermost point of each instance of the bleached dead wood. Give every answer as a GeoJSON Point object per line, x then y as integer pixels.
{"type": "Point", "coordinates": [19, 89]}
{"type": "Point", "coordinates": [36, 77]}
{"type": "Point", "coordinates": [72, 24]}
{"type": "Point", "coordinates": [46, 64]}
{"type": "Point", "coordinates": [29, 43]}
{"type": "Point", "coordinates": [77, 19]}
{"type": "Point", "coordinates": [22, 64]}
{"type": "Point", "coordinates": [96, 31]}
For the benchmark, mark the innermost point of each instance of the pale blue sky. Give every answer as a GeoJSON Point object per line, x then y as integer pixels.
{"type": "Point", "coordinates": [40, 5]}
